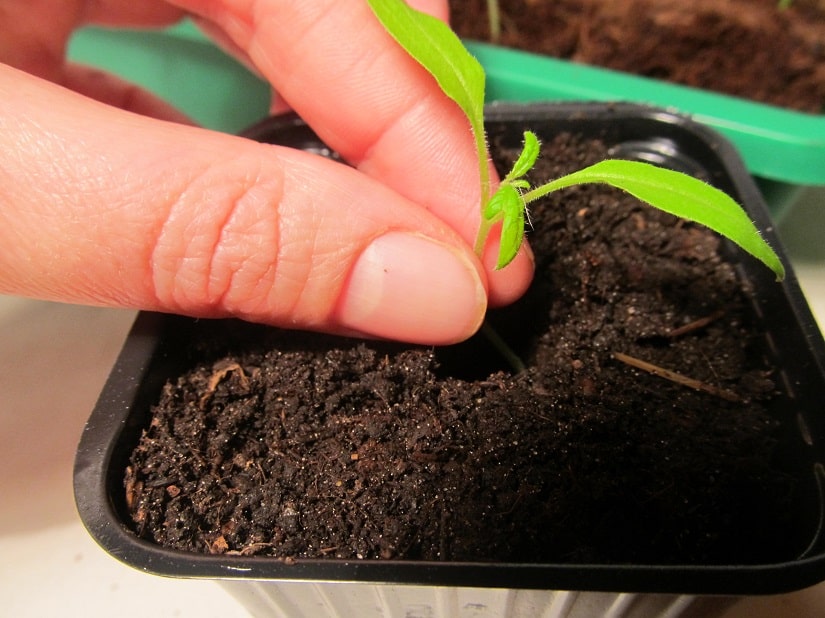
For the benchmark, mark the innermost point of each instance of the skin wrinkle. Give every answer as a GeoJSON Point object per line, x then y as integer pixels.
{"type": "Point", "coordinates": [217, 267]}
{"type": "Point", "coordinates": [219, 287]}
{"type": "Point", "coordinates": [293, 277]}
{"type": "Point", "coordinates": [271, 272]}
{"type": "Point", "coordinates": [298, 282]}
{"type": "Point", "coordinates": [256, 291]}
{"type": "Point", "coordinates": [159, 266]}
{"type": "Point", "coordinates": [304, 307]}
{"type": "Point", "coordinates": [167, 201]}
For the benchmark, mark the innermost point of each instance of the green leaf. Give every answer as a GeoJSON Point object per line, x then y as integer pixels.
{"type": "Point", "coordinates": [678, 194]}
{"type": "Point", "coordinates": [527, 158]}
{"type": "Point", "coordinates": [507, 206]}
{"type": "Point", "coordinates": [439, 50]}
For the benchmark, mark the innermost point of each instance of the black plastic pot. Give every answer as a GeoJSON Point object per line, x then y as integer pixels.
{"type": "Point", "coordinates": [153, 354]}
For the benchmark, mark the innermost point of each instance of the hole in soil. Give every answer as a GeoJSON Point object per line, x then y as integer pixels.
{"type": "Point", "coordinates": [474, 359]}
{"type": "Point", "coordinates": [477, 358]}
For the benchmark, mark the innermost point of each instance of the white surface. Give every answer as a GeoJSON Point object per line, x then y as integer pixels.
{"type": "Point", "coordinates": [53, 362]}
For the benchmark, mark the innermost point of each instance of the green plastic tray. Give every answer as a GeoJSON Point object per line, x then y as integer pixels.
{"type": "Point", "coordinates": [182, 66]}
{"type": "Point", "coordinates": [775, 143]}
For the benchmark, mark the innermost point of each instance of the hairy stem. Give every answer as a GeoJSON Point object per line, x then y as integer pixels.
{"type": "Point", "coordinates": [481, 237]}
{"type": "Point", "coordinates": [503, 348]}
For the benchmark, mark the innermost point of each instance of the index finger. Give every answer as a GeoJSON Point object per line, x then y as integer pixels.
{"type": "Point", "coordinates": [333, 62]}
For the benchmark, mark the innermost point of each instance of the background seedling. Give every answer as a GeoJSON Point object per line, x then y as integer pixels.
{"type": "Point", "coordinates": [436, 47]}
{"type": "Point", "coordinates": [494, 17]}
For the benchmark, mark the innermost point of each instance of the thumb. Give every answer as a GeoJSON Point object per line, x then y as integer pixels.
{"type": "Point", "coordinates": [101, 206]}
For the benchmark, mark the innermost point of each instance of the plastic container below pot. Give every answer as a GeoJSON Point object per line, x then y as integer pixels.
{"type": "Point", "coordinates": [336, 587]}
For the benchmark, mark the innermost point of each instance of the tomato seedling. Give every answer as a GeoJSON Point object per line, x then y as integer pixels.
{"type": "Point", "coordinates": [460, 76]}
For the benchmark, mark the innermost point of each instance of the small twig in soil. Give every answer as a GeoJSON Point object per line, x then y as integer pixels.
{"type": "Point", "coordinates": [695, 325]}
{"type": "Point", "coordinates": [678, 378]}
{"type": "Point", "coordinates": [219, 375]}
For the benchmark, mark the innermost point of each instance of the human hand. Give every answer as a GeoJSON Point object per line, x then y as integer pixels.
{"type": "Point", "coordinates": [101, 205]}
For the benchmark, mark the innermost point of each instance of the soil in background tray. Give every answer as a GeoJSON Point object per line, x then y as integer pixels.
{"type": "Point", "coordinates": [295, 445]}
{"type": "Point", "coordinates": [746, 48]}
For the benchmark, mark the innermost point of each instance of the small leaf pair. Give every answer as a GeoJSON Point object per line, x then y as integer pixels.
{"type": "Point", "coordinates": [508, 204]}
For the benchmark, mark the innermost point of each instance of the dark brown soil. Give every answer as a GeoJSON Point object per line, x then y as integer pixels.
{"type": "Point", "coordinates": [294, 445]}
{"type": "Point", "coordinates": [746, 48]}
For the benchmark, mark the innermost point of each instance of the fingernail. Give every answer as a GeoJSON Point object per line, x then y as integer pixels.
{"type": "Point", "coordinates": [409, 287]}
